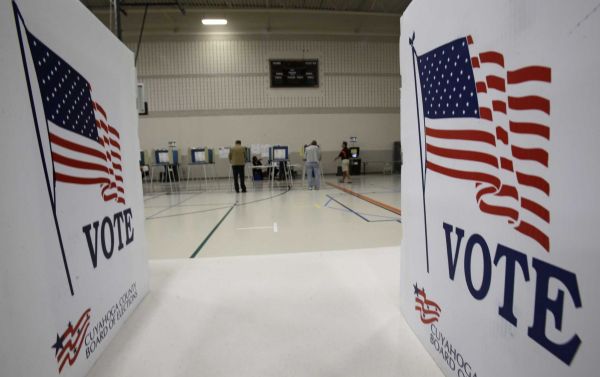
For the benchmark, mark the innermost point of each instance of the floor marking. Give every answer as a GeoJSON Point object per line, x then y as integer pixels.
{"type": "Point", "coordinates": [362, 215]}
{"type": "Point", "coordinates": [367, 199]}
{"type": "Point", "coordinates": [205, 204]}
{"type": "Point", "coordinates": [153, 197]}
{"type": "Point", "coordinates": [211, 233]}
{"type": "Point", "coordinates": [317, 206]}
{"type": "Point", "coordinates": [189, 213]}
{"type": "Point", "coordinates": [275, 228]}
{"type": "Point", "coordinates": [384, 220]}
{"type": "Point", "coordinates": [349, 209]}
{"type": "Point", "coordinates": [263, 199]}
{"type": "Point", "coordinates": [255, 227]}
{"type": "Point", "coordinates": [171, 206]}
{"type": "Point", "coordinates": [189, 205]}
{"type": "Point", "coordinates": [382, 192]}
{"type": "Point", "coordinates": [238, 204]}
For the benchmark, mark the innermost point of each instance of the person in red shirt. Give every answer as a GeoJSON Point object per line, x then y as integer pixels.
{"type": "Point", "coordinates": [345, 156]}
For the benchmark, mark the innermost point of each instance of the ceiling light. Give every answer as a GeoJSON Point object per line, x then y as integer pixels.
{"type": "Point", "coordinates": [214, 21]}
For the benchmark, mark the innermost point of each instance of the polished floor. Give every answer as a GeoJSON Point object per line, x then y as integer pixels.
{"type": "Point", "coordinates": [216, 221]}
{"type": "Point", "coordinates": [272, 282]}
{"type": "Point", "coordinates": [313, 314]}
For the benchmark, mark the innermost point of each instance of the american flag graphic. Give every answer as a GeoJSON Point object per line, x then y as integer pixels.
{"type": "Point", "coordinates": [69, 343]}
{"type": "Point", "coordinates": [84, 147]}
{"type": "Point", "coordinates": [487, 124]}
{"type": "Point", "coordinates": [428, 309]}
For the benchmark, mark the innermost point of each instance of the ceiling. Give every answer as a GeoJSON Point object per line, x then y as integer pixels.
{"type": "Point", "coordinates": [383, 6]}
{"type": "Point", "coordinates": [178, 18]}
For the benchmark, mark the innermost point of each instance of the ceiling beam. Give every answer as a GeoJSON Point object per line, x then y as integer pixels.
{"type": "Point", "coordinates": [168, 7]}
{"type": "Point", "coordinates": [131, 35]}
{"type": "Point", "coordinates": [181, 8]}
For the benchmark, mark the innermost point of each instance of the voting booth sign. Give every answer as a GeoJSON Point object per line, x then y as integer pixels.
{"type": "Point", "coordinates": [499, 125]}
{"type": "Point", "coordinates": [72, 264]}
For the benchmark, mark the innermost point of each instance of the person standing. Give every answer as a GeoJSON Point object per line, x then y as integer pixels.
{"type": "Point", "coordinates": [345, 156]}
{"type": "Point", "coordinates": [237, 159]}
{"type": "Point", "coordinates": [312, 156]}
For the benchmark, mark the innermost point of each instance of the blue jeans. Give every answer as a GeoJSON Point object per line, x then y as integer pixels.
{"type": "Point", "coordinates": [313, 172]}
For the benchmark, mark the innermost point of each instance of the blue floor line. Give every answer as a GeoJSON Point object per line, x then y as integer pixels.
{"type": "Point", "coordinates": [350, 209]}
{"type": "Point", "coordinates": [360, 214]}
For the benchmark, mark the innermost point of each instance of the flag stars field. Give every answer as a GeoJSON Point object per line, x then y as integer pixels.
{"type": "Point", "coordinates": [504, 186]}
{"type": "Point", "coordinates": [83, 146]}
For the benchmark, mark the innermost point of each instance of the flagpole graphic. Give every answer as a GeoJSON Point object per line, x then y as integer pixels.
{"type": "Point", "coordinates": [78, 146]}
{"type": "Point", "coordinates": [486, 124]}
{"type": "Point", "coordinates": [19, 21]}
{"type": "Point", "coordinates": [414, 56]}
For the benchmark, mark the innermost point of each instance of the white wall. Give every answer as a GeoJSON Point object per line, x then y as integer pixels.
{"type": "Point", "coordinates": [376, 132]}
{"type": "Point", "coordinates": [201, 75]}
{"type": "Point", "coordinates": [212, 92]}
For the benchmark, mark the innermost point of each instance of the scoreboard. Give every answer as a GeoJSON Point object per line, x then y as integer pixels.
{"type": "Point", "coordinates": [294, 73]}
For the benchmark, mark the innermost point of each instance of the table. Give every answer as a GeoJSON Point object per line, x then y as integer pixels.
{"type": "Point", "coordinates": [252, 168]}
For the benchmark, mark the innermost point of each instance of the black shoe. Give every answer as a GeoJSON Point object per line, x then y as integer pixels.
{"type": "Point", "coordinates": [237, 191]}
{"type": "Point", "coordinates": [243, 190]}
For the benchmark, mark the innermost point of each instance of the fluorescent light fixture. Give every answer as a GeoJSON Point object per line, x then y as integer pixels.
{"type": "Point", "coordinates": [214, 21]}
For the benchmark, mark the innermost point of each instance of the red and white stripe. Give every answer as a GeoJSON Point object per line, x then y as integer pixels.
{"type": "Point", "coordinates": [82, 161]}
{"type": "Point", "coordinates": [109, 139]}
{"type": "Point", "coordinates": [505, 151]}
{"type": "Point", "coordinates": [428, 309]}
{"type": "Point", "coordinates": [72, 340]}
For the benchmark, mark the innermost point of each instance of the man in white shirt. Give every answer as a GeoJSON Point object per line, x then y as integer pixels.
{"type": "Point", "coordinates": [312, 156]}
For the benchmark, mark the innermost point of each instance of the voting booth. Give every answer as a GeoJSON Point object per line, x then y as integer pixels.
{"type": "Point", "coordinates": [278, 153]}
{"type": "Point", "coordinates": [200, 158]}
{"type": "Point", "coordinates": [200, 155]}
{"type": "Point", "coordinates": [162, 157]}
{"type": "Point", "coordinates": [73, 263]}
{"type": "Point", "coordinates": [499, 125]}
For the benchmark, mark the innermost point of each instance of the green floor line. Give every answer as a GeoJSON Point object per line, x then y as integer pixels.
{"type": "Point", "coordinates": [211, 233]}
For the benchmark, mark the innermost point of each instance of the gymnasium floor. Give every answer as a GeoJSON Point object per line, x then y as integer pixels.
{"type": "Point", "coordinates": [218, 222]}
{"type": "Point", "coordinates": [313, 289]}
